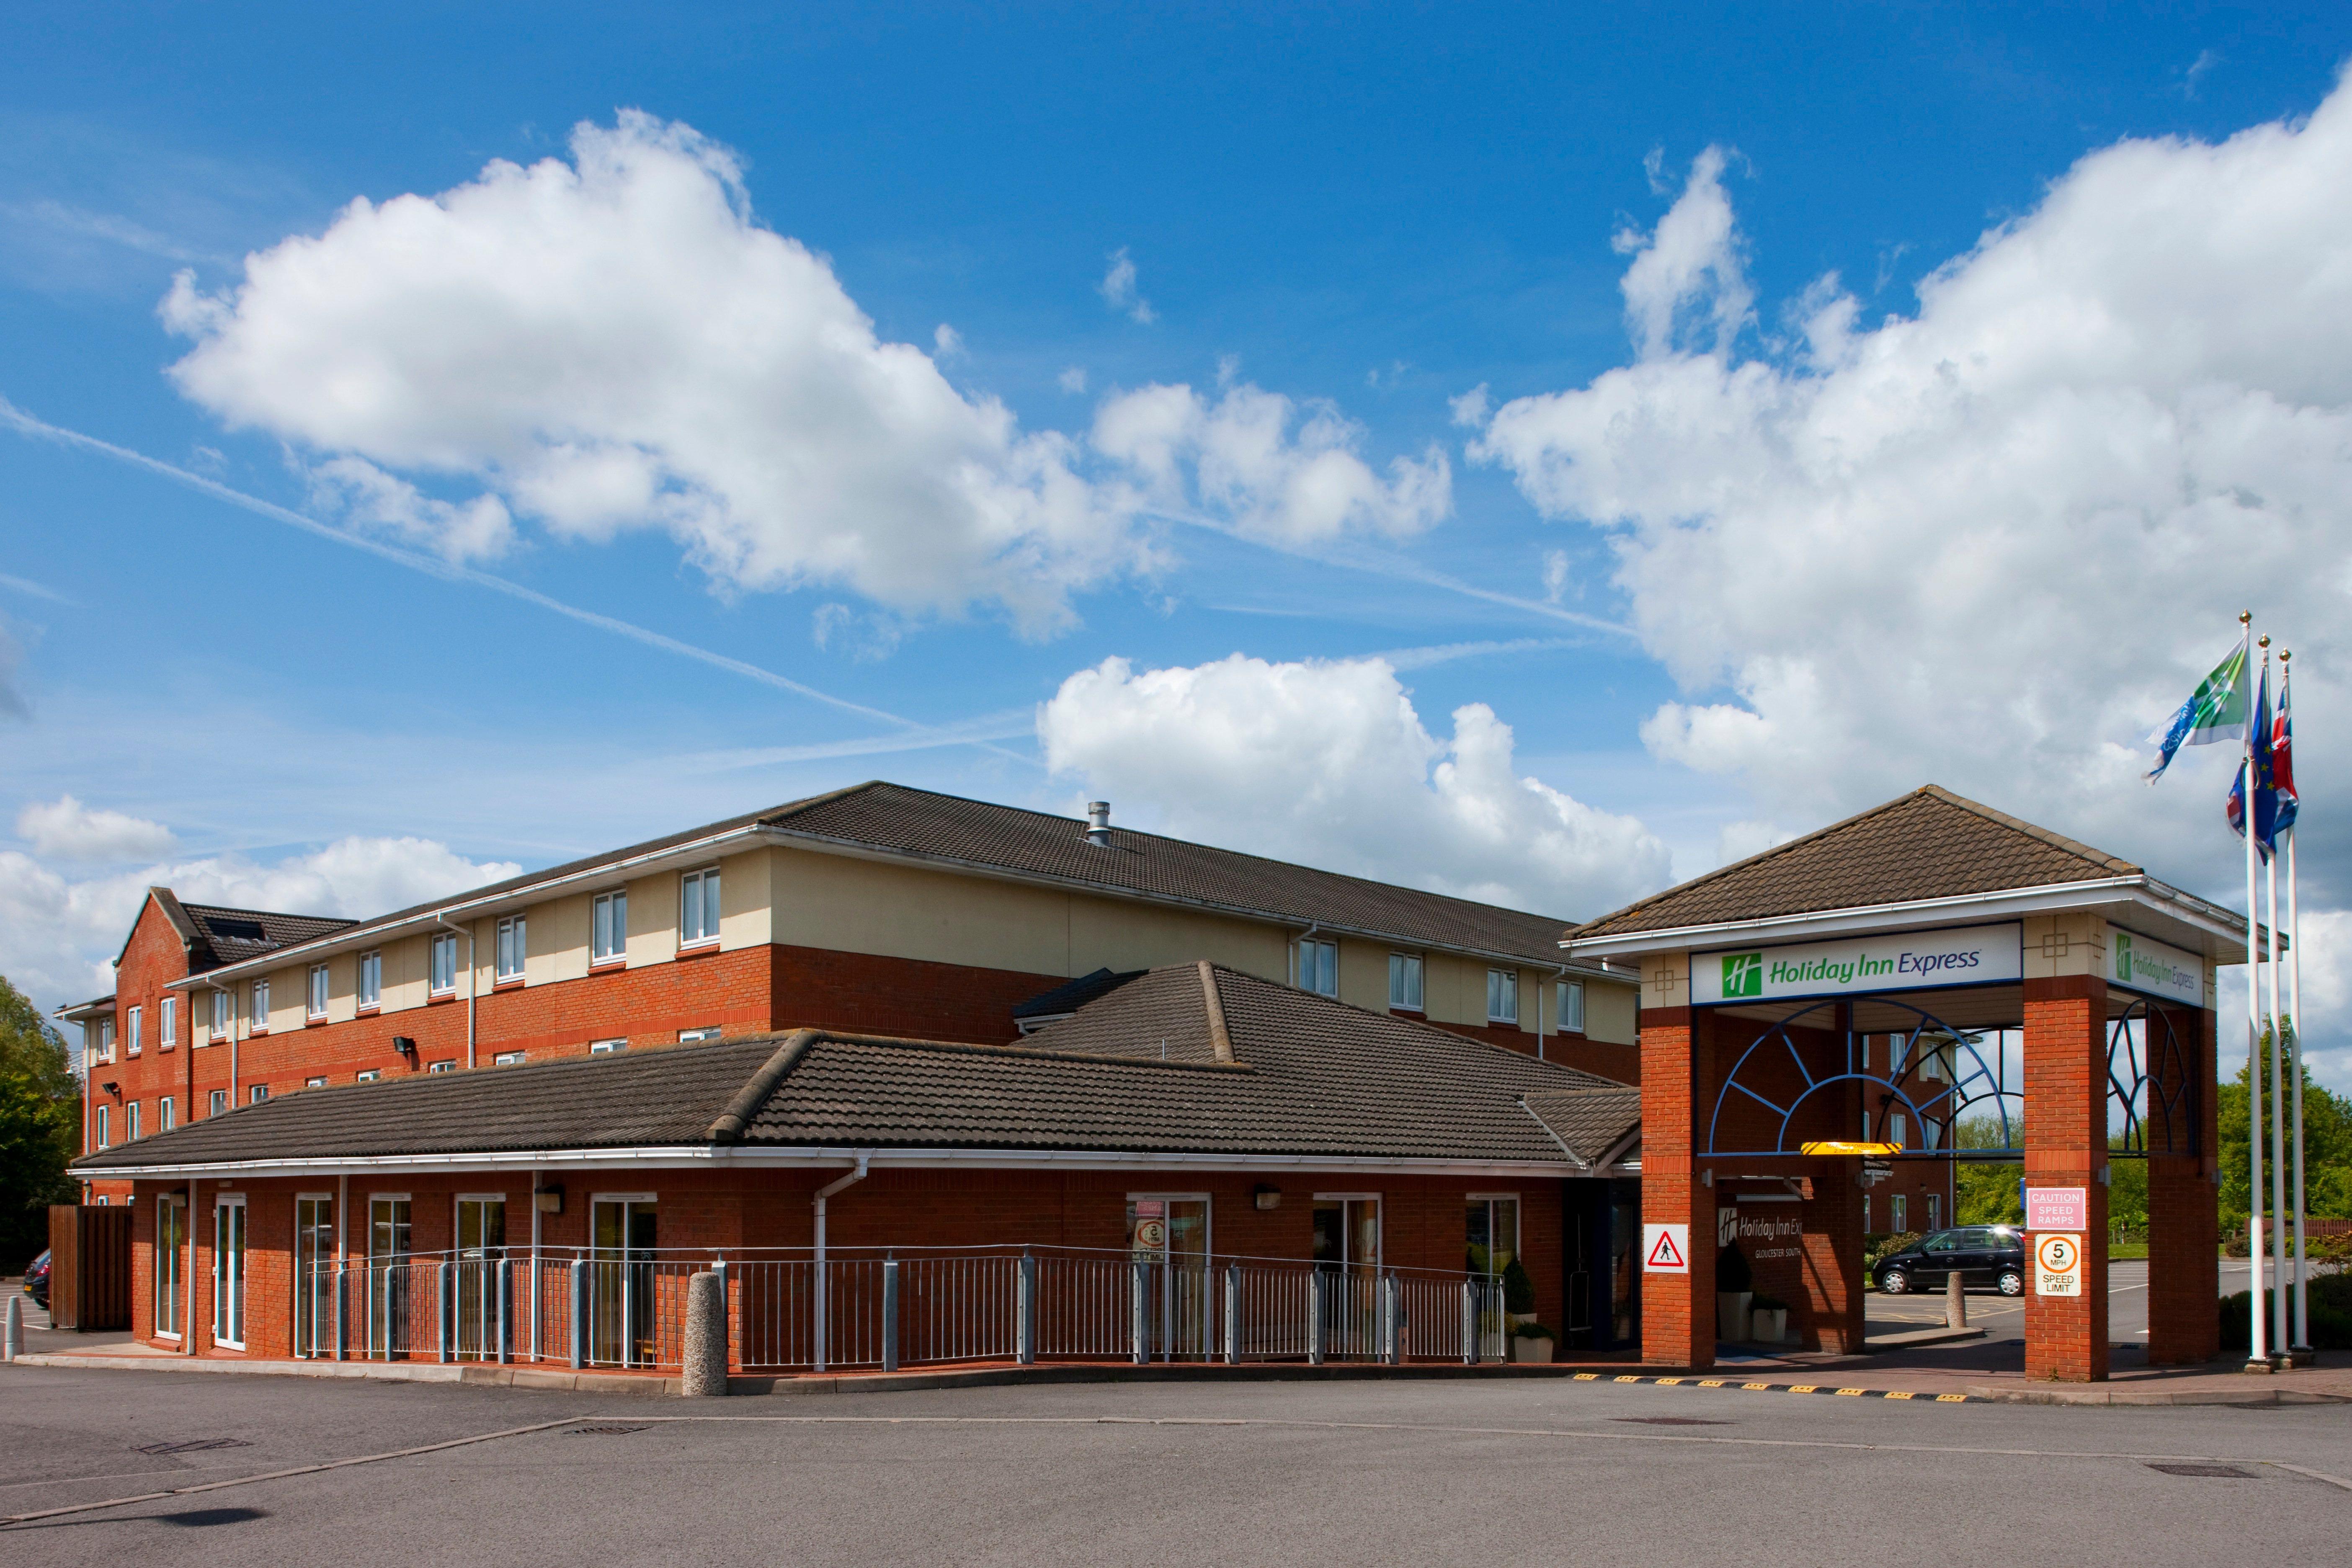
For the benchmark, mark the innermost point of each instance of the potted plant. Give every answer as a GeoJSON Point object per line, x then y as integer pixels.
{"type": "Point", "coordinates": [1531, 1341]}
{"type": "Point", "coordinates": [1518, 1294]}
{"type": "Point", "coordinates": [1770, 1317]}
{"type": "Point", "coordinates": [1735, 1283]}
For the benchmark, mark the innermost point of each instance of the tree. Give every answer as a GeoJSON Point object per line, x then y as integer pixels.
{"type": "Point", "coordinates": [1986, 1194]}
{"type": "Point", "coordinates": [41, 1126]}
{"type": "Point", "coordinates": [2326, 1150]}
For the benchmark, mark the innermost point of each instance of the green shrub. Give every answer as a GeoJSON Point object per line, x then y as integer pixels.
{"type": "Point", "coordinates": [2331, 1315]}
{"type": "Point", "coordinates": [1763, 1303]}
{"type": "Point", "coordinates": [1519, 1290]}
{"type": "Point", "coordinates": [1533, 1331]}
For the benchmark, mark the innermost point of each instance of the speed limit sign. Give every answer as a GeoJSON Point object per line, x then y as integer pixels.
{"type": "Point", "coordinates": [2057, 1264]}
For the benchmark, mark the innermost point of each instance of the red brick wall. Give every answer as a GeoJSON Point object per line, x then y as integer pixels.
{"type": "Point", "coordinates": [2184, 1212]}
{"type": "Point", "coordinates": [1678, 1310]}
{"type": "Point", "coordinates": [152, 958]}
{"type": "Point", "coordinates": [2066, 1141]}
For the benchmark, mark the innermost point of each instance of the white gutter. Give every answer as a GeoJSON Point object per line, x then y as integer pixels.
{"type": "Point", "coordinates": [2002, 904]}
{"type": "Point", "coordinates": [705, 1156]}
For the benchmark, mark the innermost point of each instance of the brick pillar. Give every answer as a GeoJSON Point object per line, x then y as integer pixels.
{"type": "Point", "coordinates": [1678, 1310]}
{"type": "Point", "coordinates": [1833, 1300]}
{"type": "Point", "coordinates": [2184, 1204]}
{"type": "Point", "coordinates": [2065, 1144]}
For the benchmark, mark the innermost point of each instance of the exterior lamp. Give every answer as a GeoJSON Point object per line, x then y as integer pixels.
{"type": "Point", "coordinates": [403, 1045]}
{"type": "Point", "coordinates": [1266, 1196]}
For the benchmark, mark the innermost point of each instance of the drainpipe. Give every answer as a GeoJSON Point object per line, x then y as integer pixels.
{"type": "Point", "coordinates": [824, 1285]}
{"type": "Point", "coordinates": [472, 982]}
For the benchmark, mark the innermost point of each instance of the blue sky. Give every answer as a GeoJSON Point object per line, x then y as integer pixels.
{"type": "Point", "coordinates": [1339, 222]}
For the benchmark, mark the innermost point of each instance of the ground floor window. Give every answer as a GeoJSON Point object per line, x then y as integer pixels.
{"type": "Point", "coordinates": [1935, 1211]}
{"type": "Point", "coordinates": [1897, 1204]}
{"type": "Point", "coordinates": [229, 1270]}
{"type": "Point", "coordinates": [171, 1262]}
{"type": "Point", "coordinates": [624, 1234]}
{"type": "Point", "coordinates": [389, 1275]}
{"type": "Point", "coordinates": [1169, 1233]}
{"type": "Point", "coordinates": [1493, 1232]}
{"type": "Point", "coordinates": [481, 1252]}
{"type": "Point", "coordinates": [314, 1275]}
{"type": "Point", "coordinates": [1348, 1230]}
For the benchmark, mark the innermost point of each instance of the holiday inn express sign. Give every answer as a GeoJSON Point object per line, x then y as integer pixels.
{"type": "Point", "coordinates": [2138, 963]}
{"type": "Point", "coordinates": [1963, 955]}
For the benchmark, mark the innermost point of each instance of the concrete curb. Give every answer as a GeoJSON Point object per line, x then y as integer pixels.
{"type": "Point", "coordinates": [397, 1372]}
{"type": "Point", "coordinates": [1913, 1338]}
{"type": "Point", "coordinates": [2155, 1396]}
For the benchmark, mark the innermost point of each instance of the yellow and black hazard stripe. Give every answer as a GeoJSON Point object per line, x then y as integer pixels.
{"type": "Point", "coordinates": [1744, 1387]}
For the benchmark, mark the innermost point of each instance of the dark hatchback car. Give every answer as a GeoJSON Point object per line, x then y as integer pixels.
{"type": "Point", "coordinates": [1992, 1256]}
{"type": "Point", "coordinates": [37, 1281]}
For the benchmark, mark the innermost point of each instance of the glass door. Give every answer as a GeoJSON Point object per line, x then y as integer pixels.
{"type": "Point", "coordinates": [1170, 1236]}
{"type": "Point", "coordinates": [314, 1276]}
{"type": "Point", "coordinates": [389, 1285]}
{"type": "Point", "coordinates": [481, 1252]}
{"type": "Point", "coordinates": [621, 1284]}
{"type": "Point", "coordinates": [1348, 1264]}
{"type": "Point", "coordinates": [228, 1271]}
{"type": "Point", "coordinates": [170, 1261]}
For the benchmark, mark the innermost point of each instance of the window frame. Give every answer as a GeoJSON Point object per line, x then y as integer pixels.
{"type": "Point", "coordinates": [167, 1023]}
{"type": "Point", "coordinates": [367, 989]}
{"type": "Point", "coordinates": [367, 1074]}
{"type": "Point", "coordinates": [518, 929]}
{"type": "Point", "coordinates": [702, 1032]}
{"type": "Point", "coordinates": [1518, 1223]}
{"type": "Point", "coordinates": [1571, 988]}
{"type": "Point", "coordinates": [1503, 986]}
{"type": "Point", "coordinates": [441, 941]}
{"type": "Point", "coordinates": [617, 1046]}
{"type": "Point", "coordinates": [105, 1040]}
{"type": "Point", "coordinates": [446, 1064]}
{"type": "Point", "coordinates": [257, 1093]}
{"type": "Point", "coordinates": [230, 1307]}
{"type": "Point", "coordinates": [259, 1007]}
{"type": "Point", "coordinates": [1299, 965]}
{"type": "Point", "coordinates": [223, 1022]}
{"type": "Point", "coordinates": [608, 922]}
{"type": "Point", "coordinates": [316, 1081]}
{"type": "Point", "coordinates": [134, 1038]}
{"type": "Point", "coordinates": [508, 1059]}
{"type": "Point", "coordinates": [1898, 1212]}
{"type": "Point", "coordinates": [170, 1265]}
{"type": "Point", "coordinates": [319, 986]}
{"type": "Point", "coordinates": [164, 1114]}
{"type": "Point", "coordinates": [131, 1119]}
{"type": "Point", "coordinates": [217, 1104]}
{"type": "Point", "coordinates": [708, 889]}
{"type": "Point", "coordinates": [1404, 966]}
{"type": "Point", "coordinates": [105, 1125]}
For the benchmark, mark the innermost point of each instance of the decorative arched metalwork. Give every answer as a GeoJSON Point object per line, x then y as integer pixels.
{"type": "Point", "coordinates": [2155, 1064]}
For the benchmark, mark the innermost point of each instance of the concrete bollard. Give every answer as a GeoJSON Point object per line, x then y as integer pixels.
{"type": "Point", "coordinates": [15, 1344]}
{"type": "Point", "coordinates": [705, 1362]}
{"type": "Point", "coordinates": [1956, 1301]}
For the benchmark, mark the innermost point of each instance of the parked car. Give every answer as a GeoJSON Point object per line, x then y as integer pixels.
{"type": "Point", "coordinates": [37, 1281]}
{"type": "Point", "coordinates": [1990, 1255]}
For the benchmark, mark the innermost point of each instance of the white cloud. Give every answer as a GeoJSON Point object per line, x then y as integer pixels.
{"type": "Point", "coordinates": [1245, 460]}
{"type": "Point", "coordinates": [1992, 542]}
{"type": "Point", "coordinates": [1117, 289]}
{"type": "Point", "coordinates": [58, 936]}
{"type": "Point", "coordinates": [65, 829]}
{"type": "Point", "coordinates": [1555, 574]}
{"type": "Point", "coordinates": [1328, 763]}
{"type": "Point", "coordinates": [378, 502]}
{"type": "Point", "coordinates": [1073, 380]}
{"type": "Point", "coordinates": [946, 341]}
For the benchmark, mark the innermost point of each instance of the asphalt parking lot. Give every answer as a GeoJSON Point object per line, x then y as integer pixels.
{"type": "Point", "coordinates": [1421, 1472]}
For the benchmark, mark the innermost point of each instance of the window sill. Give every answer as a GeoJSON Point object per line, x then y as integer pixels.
{"type": "Point", "coordinates": [606, 965]}
{"type": "Point", "coordinates": [437, 998]}
{"type": "Point", "coordinates": [1504, 1024]}
{"type": "Point", "coordinates": [1418, 1014]}
{"type": "Point", "coordinates": [255, 1034]}
{"type": "Point", "coordinates": [514, 983]}
{"type": "Point", "coordinates": [370, 1011]}
{"type": "Point", "coordinates": [698, 949]}
{"type": "Point", "coordinates": [315, 1020]}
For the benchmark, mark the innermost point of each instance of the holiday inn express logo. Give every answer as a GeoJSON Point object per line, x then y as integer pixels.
{"type": "Point", "coordinates": [1743, 975]}
{"type": "Point", "coordinates": [2122, 956]}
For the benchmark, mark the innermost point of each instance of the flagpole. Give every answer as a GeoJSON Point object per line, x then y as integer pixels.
{"type": "Point", "coordinates": [2278, 1045]}
{"type": "Point", "coordinates": [2301, 1343]}
{"type": "Point", "coordinates": [2258, 1301]}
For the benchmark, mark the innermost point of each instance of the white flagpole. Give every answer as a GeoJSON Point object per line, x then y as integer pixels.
{"type": "Point", "coordinates": [2278, 1051]}
{"type": "Point", "coordinates": [2258, 1302]}
{"type": "Point", "coordinates": [2302, 1339]}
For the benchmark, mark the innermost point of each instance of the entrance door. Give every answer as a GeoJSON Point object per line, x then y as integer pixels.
{"type": "Point", "coordinates": [1348, 1259]}
{"type": "Point", "coordinates": [621, 1284]}
{"type": "Point", "coordinates": [481, 1257]}
{"type": "Point", "coordinates": [390, 1271]}
{"type": "Point", "coordinates": [314, 1276]}
{"type": "Point", "coordinates": [171, 1257]}
{"type": "Point", "coordinates": [1169, 1234]}
{"type": "Point", "coordinates": [229, 1272]}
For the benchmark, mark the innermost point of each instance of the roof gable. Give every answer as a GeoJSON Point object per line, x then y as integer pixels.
{"type": "Point", "coordinates": [1927, 845]}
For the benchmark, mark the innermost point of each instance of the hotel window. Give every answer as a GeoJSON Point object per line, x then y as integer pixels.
{"type": "Point", "coordinates": [169, 1035]}
{"type": "Point", "coordinates": [1493, 1232]}
{"type": "Point", "coordinates": [444, 963]}
{"type": "Point", "coordinates": [229, 1270]}
{"type": "Point", "coordinates": [318, 998]}
{"type": "Point", "coordinates": [1935, 1211]}
{"type": "Point", "coordinates": [218, 1103]}
{"type": "Point", "coordinates": [138, 1019]}
{"type": "Point", "coordinates": [1571, 1007]}
{"type": "Point", "coordinates": [259, 1092]}
{"type": "Point", "coordinates": [1897, 1204]}
{"type": "Point", "coordinates": [1405, 980]}
{"type": "Point", "coordinates": [511, 942]}
{"type": "Point", "coordinates": [319, 1082]}
{"type": "Point", "coordinates": [171, 1254]}
{"type": "Point", "coordinates": [106, 1039]}
{"type": "Point", "coordinates": [105, 1125]}
{"type": "Point", "coordinates": [164, 1114]}
{"type": "Point", "coordinates": [611, 939]}
{"type": "Point", "coordinates": [708, 1032]}
{"type": "Point", "coordinates": [697, 917]}
{"type": "Point", "coordinates": [130, 1122]}
{"type": "Point", "coordinates": [506, 1059]}
{"type": "Point", "coordinates": [1502, 995]}
{"type": "Point", "coordinates": [607, 1047]}
{"type": "Point", "coordinates": [260, 1013]}
{"type": "Point", "coordinates": [370, 980]}
{"type": "Point", "coordinates": [220, 1015]}
{"type": "Point", "coordinates": [1318, 964]}
{"type": "Point", "coordinates": [368, 1075]}
{"type": "Point", "coordinates": [1898, 1129]}
{"type": "Point", "coordinates": [446, 1064]}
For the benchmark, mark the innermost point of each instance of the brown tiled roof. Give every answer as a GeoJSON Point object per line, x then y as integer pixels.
{"type": "Point", "coordinates": [1311, 1076]}
{"type": "Point", "coordinates": [229, 936]}
{"type": "Point", "coordinates": [1930, 844]}
{"type": "Point", "coordinates": [1590, 1121]}
{"type": "Point", "coordinates": [1072, 995]}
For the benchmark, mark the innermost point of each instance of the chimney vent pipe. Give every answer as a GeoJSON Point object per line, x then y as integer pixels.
{"type": "Point", "coordinates": [1098, 823]}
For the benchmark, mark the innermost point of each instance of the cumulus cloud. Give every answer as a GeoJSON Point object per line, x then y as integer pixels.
{"type": "Point", "coordinates": [1281, 471]}
{"type": "Point", "coordinates": [1117, 289]}
{"type": "Point", "coordinates": [66, 829]}
{"type": "Point", "coordinates": [1992, 541]}
{"type": "Point", "coordinates": [1328, 763]}
{"type": "Point", "coordinates": [58, 935]}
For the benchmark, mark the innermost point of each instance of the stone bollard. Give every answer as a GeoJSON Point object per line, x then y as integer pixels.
{"type": "Point", "coordinates": [15, 1344]}
{"type": "Point", "coordinates": [1956, 1301]}
{"type": "Point", "coordinates": [705, 1365]}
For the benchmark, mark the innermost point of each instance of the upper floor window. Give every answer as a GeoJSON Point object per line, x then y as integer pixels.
{"type": "Point", "coordinates": [1502, 995]}
{"type": "Point", "coordinates": [611, 937]}
{"type": "Point", "coordinates": [130, 1122]}
{"type": "Point", "coordinates": [318, 1082]}
{"type": "Point", "coordinates": [511, 944]}
{"type": "Point", "coordinates": [169, 1035]}
{"type": "Point", "coordinates": [697, 915]}
{"type": "Point", "coordinates": [220, 1015]}
{"type": "Point", "coordinates": [105, 1125]}
{"type": "Point", "coordinates": [1318, 967]}
{"type": "Point", "coordinates": [137, 1018]}
{"type": "Point", "coordinates": [106, 1039]}
{"type": "Point", "coordinates": [506, 1059]}
{"type": "Point", "coordinates": [449, 1064]}
{"type": "Point", "coordinates": [607, 1047]}
{"type": "Point", "coordinates": [367, 1074]}
{"type": "Point", "coordinates": [259, 1092]}
{"type": "Point", "coordinates": [318, 997]}
{"type": "Point", "coordinates": [371, 979]}
{"type": "Point", "coordinates": [261, 1004]}
{"type": "Point", "coordinates": [218, 1103]}
{"type": "Point", "coordinates": [707, 1032]}
{"type": "Point", "coordinates": [164, 1114]}
{"type": "Point", "coordinates": [444, 961]}
{"type": "Point", "coordinates": [1571, 1007]}
{"type": "Point", "coordinates": [1405, 980]}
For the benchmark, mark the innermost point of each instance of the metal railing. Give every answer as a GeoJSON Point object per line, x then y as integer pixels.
{"type": "Point", "coordinates": [789, 1312]}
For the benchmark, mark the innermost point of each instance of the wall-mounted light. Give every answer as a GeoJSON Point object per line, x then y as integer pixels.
{"type": "Point", "coordinates": [112, 1088]}
{"type": "Point", "coordinates": [403, 1045]}
{"type": "Point", "coordinates": [549, 1197]}
{"type": "Point", "coordinates": [1266, 1197]}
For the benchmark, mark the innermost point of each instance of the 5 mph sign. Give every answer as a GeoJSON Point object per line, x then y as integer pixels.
{"type": "Point", "coordinates": [2057, 1264]}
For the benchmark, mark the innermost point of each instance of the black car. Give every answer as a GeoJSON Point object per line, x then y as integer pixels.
{"type": "Point", "coordinates": [37, 1281]}
{"type": "Point", "coordinates": [1987, 1255]}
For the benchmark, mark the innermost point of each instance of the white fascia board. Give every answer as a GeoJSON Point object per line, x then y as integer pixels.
{"type": "Point", "coordinates": [2226, 932]}
{"type": "Point", "coordinates": [733, 1156]}
{"type": "Point", "coordinates": [358, 938]}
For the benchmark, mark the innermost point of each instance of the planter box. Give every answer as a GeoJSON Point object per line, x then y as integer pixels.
{"type": "Point", "coordinates": [1731, 1315]}
{"type": "Point", "coordinates": [1535, 1352]}
{"type": "Point", "coordinates": [1771, 1324]}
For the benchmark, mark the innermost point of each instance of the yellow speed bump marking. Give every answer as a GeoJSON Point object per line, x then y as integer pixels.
{"type": "Point", "coordinates": [1586, 1377]}
{"type": "Point", "coordinates": [1804, 1387]}
{"type": "Point", "coordinates": [1893, 1395]}
{"type": "Point", "coordinates": [1711, 1383]}
{"type": "Point", "coordinates": [1668, 1382]}
{"type": "Point", "coordinates": [1851, 1393]}
{"type": "Point", "coordinates": [1629, 1380]}
{"type": "Point", "coordinates": [1757, 1385]}
{"type": "Point", "coordinates": [1951, 1399]}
